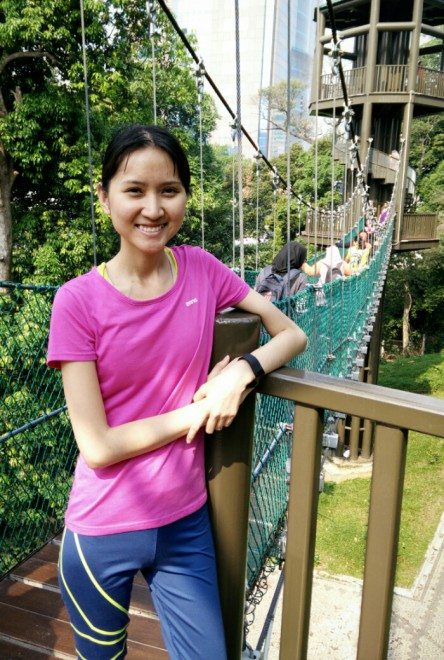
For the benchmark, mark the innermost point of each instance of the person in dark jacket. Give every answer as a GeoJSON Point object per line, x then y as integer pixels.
{"type": "Point", "coordinates": [284, 277]}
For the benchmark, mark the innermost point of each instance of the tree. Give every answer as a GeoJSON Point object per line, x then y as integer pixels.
{"type": "Point", "coordinates": [44, 194]}
{"type": "Point", "coordinates": [305, 169]}
{"type": "Point", "coordinates": [274, 103]}
{"type": "Point", "coordinates": [416, 313]}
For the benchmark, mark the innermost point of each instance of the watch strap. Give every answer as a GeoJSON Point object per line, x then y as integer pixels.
{"type": "Point", "coordinates": [256, 368]}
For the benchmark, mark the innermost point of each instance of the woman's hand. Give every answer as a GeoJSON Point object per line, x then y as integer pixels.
{"type": "Point", "coordinates": [222, 394]}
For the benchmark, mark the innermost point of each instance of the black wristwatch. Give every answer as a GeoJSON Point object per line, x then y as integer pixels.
{"type": "Point", "coordinates": [255, 367]}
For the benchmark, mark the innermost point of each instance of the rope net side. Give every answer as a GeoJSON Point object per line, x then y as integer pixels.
{"type": "Point", "coordinates": [37, 450]}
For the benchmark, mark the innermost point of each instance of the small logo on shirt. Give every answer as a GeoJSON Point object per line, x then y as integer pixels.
{"type": "Point", "coordinates": [193, 301]}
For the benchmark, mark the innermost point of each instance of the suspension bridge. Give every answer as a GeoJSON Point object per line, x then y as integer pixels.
{"type": "Point", "coordinates": [341, 319]}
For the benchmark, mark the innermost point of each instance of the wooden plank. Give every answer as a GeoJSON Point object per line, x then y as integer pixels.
{"type": "Point", "coordinates": [49, 553]}
{"type": "Point", "coordinates": [139, 652]}
{"type": "Point", "coordinates": [31, 599]}
{"type": "Point", "coordinates": [36, 630]}
{"type": "Point", "coordinates": [37, 572]}
{"type": "Point", "coordinates": [10, 651]}
{"type": "Point", "coordinates": [53, 631]}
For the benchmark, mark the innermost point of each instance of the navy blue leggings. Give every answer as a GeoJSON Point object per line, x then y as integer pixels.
{"type": "Point", "coordinates": [96, 576]}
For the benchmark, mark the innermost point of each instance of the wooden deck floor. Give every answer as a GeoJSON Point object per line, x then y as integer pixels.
{"type": "Point", "coordinates": [34, 622]}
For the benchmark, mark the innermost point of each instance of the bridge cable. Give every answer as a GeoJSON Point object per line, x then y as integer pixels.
{"type": "Point", "coordinates": [332, 217]}
{"type": "Point", "coordinates": [220, 96]}
{"type": "Point", "coordinates": [239, 143]}
{"type": "Point", "coordinates": [233, 193]}
{"type": "Point", "coordinates": [88, 133]}
{"type": "Point", "coordinates": [336, 42]}
{"type": "Point", "coordinates": [257, 159]}
{"type": "Point", "coordinates": [287, 141]}
{"type": "Point", "coordinates": [152, 16]}
{"type": "Point", "coordinates": [200, 69]}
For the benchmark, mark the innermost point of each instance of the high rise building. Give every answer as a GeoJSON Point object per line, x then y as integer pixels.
{"type": "Point", "coordinates": [263, 29]}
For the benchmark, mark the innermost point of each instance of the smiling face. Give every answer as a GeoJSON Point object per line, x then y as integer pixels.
{"type": "Point", "coordinates": [146, 201]}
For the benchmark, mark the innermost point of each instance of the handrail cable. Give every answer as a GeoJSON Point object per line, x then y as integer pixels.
{"type": "Point", "coordinates": [196, 58]}
{"type": "Point", "coordinates": [287, 140]}
{"type": "Point", "coordinates": [332, 220]}
{"type": "Point", "coordinates": [233, 195]}
{"type": "Point", "coordinates": [257, 159]}
{"type": "Point", "coordinates": [200, 69]}
{"type": "Point", "coordinates": [151, 10]}
{"type": "Point", "coordinates": [88, 133]}
{"type": "Point", "coordinates": [239, 142]}
{"type": "Point", "coordinates": [336, 42]}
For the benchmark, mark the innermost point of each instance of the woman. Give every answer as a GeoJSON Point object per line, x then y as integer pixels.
{"type": "Point", "coordinates": [133, 340]}
{"type": "Point", "coordinates": [329, 267]}
{"type": "Point", "coordinates": [383, 216]}
{"type": "Point", "coordinates": [290, 279]}
{"type": "Point", "coordinates": [358, 254]}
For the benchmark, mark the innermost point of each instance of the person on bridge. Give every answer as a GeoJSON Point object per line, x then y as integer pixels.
{"type": "Point", "coordinates": [330, 267]}
{"type": "Point", "coordinates": [358, 254]}
{"type": "Point", "coordinates": [285, 276]}
{"type": "Point", "coordinates": [383, 216]}
{"type": "Point", "coordinates": [133, 339]}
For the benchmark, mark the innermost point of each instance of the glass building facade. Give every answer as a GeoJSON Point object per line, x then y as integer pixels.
{"type": "Point", "coordinates": [263, 29]}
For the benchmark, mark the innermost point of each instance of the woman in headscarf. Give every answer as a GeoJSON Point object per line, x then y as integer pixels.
{"type": "Point", "coordinates": [287, 269]}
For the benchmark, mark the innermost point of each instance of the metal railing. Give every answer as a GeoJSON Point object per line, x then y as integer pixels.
{"type": "Point", "coordinates": [394, 414]}
{"type": "Point", "coordinates": [430, 82]}
{"type": "Point", "coordinates": [387, 79]}
{"type": "Point", "coordinates": [390, 78]}
{"type": "Point", "coordinates": [419, 226]}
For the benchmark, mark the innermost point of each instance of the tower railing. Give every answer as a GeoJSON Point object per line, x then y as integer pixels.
{"type": "Point", "coordinates": [387, 79]}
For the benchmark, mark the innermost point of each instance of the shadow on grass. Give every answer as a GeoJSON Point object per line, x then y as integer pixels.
{"type": "Point", "coordinates": [329, 488]}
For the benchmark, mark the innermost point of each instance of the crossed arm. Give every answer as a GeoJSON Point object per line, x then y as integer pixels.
{"type": "Point", "coordinates": [214, 406]}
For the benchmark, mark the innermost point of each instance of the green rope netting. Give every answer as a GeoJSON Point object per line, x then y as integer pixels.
{"type": "Point", "coordinates": [37, 453]}
{"type": "Point", "coordinates": [37, 449]}
{"type": "Point", "coordinates": [337, 318]}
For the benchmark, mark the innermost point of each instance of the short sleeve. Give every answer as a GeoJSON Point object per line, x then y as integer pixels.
{"type": "Point", "coordinates": [71, 332]}
{"type": "Point", "coordinates": [228, 287]}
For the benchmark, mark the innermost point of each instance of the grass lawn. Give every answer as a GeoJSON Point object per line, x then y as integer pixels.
{"type": "Point", "coordinates": [343, 507]}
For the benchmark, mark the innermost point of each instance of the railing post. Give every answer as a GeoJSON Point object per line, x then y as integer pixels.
{"type": "Point", "coordinates": [372, 377]}
{"type": "Point", "coordinates": [355, 429]}
{"type": "Point", "coordinates": [301, 536]}
{"type": "Point", "coordinates": [382, 542]}
{"type": "Point", "coordinates": [228, 467]}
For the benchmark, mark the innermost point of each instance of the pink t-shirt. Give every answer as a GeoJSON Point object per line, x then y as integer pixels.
{"type": "Point", "coordinates": [151, 357]}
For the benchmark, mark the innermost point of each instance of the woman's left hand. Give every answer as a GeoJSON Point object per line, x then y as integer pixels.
{"type": "Point", "coordinates": [225, 389]}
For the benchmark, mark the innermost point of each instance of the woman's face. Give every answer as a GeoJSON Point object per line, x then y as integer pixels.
{"type": "Point", "coordinates": [146, 200]}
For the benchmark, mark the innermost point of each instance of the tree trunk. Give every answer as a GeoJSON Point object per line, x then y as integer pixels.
{"type": "Point", "coordinates": [406, 319]}
{"type": "Point", "coordinates": [7, 176]}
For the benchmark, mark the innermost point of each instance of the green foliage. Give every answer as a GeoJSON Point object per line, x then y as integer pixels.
{"type": "Point", "coordinates": [426, 157]}
{"type": "Point", "coordinates": [420, 374]}
{"type": "Point", "coordinates": [43, 128]}
{"type": "Point", "coordinates": [36, 458]}
{"type": "Point", "coordinates": [431, 190]}
{"type": "Point", "coordinates": [423, 274]}
{"type": "Point", "coordinates": [272, 209]}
